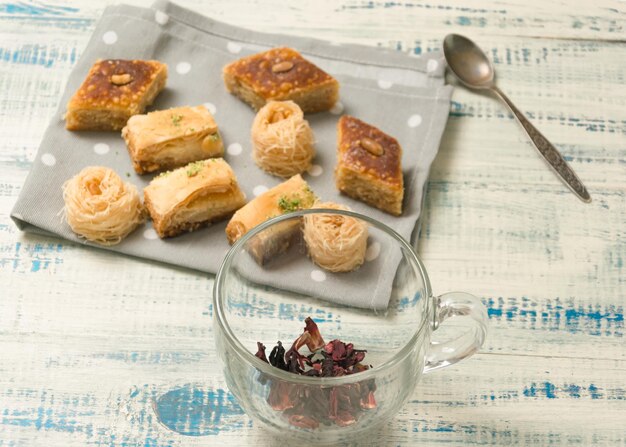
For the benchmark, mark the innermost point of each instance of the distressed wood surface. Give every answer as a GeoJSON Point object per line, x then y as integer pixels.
{"type": "Point", "coordinates": [88, 339]}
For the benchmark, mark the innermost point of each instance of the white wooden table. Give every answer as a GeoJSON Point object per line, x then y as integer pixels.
{"type": "Point", "coordinates": [87, 338]}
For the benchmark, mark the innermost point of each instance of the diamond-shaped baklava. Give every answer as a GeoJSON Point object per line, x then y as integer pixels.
{"type": "Point", "coordinates": [113, 91]}
{"type": "Point", "coordinates": [172, 138]}
{"type": "Point", "coordinates": [192, 196]}
{"type": "Point", "coordinates": [369, 165]}
{"type": "Point", "coordinates": [281, 74]}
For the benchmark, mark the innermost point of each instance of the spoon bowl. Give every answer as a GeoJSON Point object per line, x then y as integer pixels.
{"type": "Point", "coordinates": [468, 63]}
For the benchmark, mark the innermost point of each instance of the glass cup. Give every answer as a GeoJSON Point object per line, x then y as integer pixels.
{"type": "Point", "coordinates": [268, 285]}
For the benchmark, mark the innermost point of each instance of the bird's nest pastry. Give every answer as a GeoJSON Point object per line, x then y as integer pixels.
{"type": "Point", "coordinates": [282, 139]}
{"type": "Point", "coordinates": [100, 207]}
{"type": "Point", "coordinates": [335, 242]}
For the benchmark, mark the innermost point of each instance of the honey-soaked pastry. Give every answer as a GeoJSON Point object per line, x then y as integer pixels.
{"type": "Point", "coordinates": [113, 91]}
{"type": "Point", "coordinates": [100, 207]}
{"type": "Point", "coordinates": [282, 140]}
{"type": "Point", "coordinates": [369, 165]}
{"type": "Point", "coordinates": [172, 138]}
{"type": "Point", "coordinates": [291, 195]}
{"type": "Point", "coordinates": [335, 242]}
{"type": "Point", "coordinates": [281, 74]}
{"type": "Point", "coordinates": [192, 196]}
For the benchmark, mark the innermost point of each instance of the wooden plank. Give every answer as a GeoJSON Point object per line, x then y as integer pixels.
{"type": "Point", "coordinates": [82, 363]}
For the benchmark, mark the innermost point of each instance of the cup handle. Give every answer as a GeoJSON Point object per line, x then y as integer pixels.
{"type": "Point", "coordinates": [457, 304]}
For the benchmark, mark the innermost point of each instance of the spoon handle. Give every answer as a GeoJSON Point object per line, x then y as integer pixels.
{"type": "Point", "coordinates": [548, 151]}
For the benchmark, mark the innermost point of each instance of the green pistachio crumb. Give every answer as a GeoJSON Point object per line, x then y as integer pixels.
{"type": "Point", "coordinates": [289, 205]}
{"type": "Point", "coordinates": [176, 119]}
{"type": "Point", "coordinates": [194, 168]}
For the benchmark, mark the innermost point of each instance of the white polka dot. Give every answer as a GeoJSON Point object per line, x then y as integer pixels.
{"type": "Point", "coordinates": [316, 170]}
{"type": "Point", "coordinates": [318, 276]}
{"type": "Point", "coordinates": [384, 84]}
{"type": "Point", "coordinates": [234, 149]}
{"type": "Point", "coordinates": [372, 251]}
{"type": "Point", "coordinates": [210, 107]}
{"type": "Point", "coordinates": [48, 159]}
{"type": "Point", "coordinates": [233, 47]}
{"type": "Point", "coordinates": [183, 68]}
{"type": "Point", "coordinates": [414, 120]}
{"type": "Point", "coordinates": [432, 65]}
{"type": "Point", "coordinates": [101, 148]}
{"type": "Point", "coordinates": [161, 18]}
{"type": "Point", "coordinates": [337, 109]}
{"type": "Point", "coordinates": [258, 190]}
{"type": "Point", "coordinates": [150, 234]}
{"type": "Point", "coordinates": [110, 37]}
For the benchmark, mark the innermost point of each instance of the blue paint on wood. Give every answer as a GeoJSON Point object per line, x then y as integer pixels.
{"type": "Point", "coordinates": [573, 390]}
{"type": "Point", "coordinates": [549, 390]}
{"type": "Point", "coordinates": [66, 419]}
{"type": "Point", "coordinates": [134, 391]}
{"type": "Point", "coordinates": [595, 392]}
{"type": "Point", "coordinates": [409, 5]}
{"type": "Point", "coordinates": [46, 56]}
{"type": "Point", "coordinates": [35, 9]}
{"type": "Point", "coordinates": [439, 428]}
{"type": "Point", "coordinates": [33, 257]}
{"type": "Point", "coordinates": [259, 307]}
{"type": "Point", "coordinates": [154, 357]}
{"type": "Point", "coordinates": [194, 411]}
{"type": "Point", "coordinates": [557, 314]}
{"type": "Point", "coordinates": [458, 110]}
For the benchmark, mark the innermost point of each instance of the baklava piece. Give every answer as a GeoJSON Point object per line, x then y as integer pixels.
{"type": "Point", "coordinates": [172, 138]}
{"type": "Point", "coordinates": [113, 91]}
{"type": "Point", "coordinates": [192, 196]}
{"type": "Point", "coordinates": [369, 165]}
{"type": "Point", "coordinates": [291, 195]}
{"type": "Point", "coordinates": [281, 74]}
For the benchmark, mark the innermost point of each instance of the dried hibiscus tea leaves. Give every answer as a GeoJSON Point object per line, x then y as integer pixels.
{"type": "Point", "coordinates": [277, 357]}
{"type": "Point", "coordinates": [315, 340]}
{"type": "Point", "coordinates": [280, 397]}
{"type": "Point", "coordinates": [303, 421]}
{"type": "Point", "coordinates": [260, 353]}
{"type": "Point", "coordinates": [305, 406]}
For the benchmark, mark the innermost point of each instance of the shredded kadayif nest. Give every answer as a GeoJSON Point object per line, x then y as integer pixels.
{"type": "Point", "coordinates": [282, 139]}
{"type": "Point", "coordinates": [101, 207]}
{"type": "Point", "coordinates": [336, 243]}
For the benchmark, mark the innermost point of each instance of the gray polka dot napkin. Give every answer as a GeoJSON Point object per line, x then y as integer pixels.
{"type": "Point", "coordinates": [403, 95]}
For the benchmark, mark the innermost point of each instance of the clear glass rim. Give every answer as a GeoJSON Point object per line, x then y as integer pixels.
{"type": "Point", "coordinates": [270, 370]}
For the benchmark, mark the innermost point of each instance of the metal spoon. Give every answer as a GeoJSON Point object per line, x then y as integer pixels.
{"type": "Point", "coordinates": [472, 68]}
